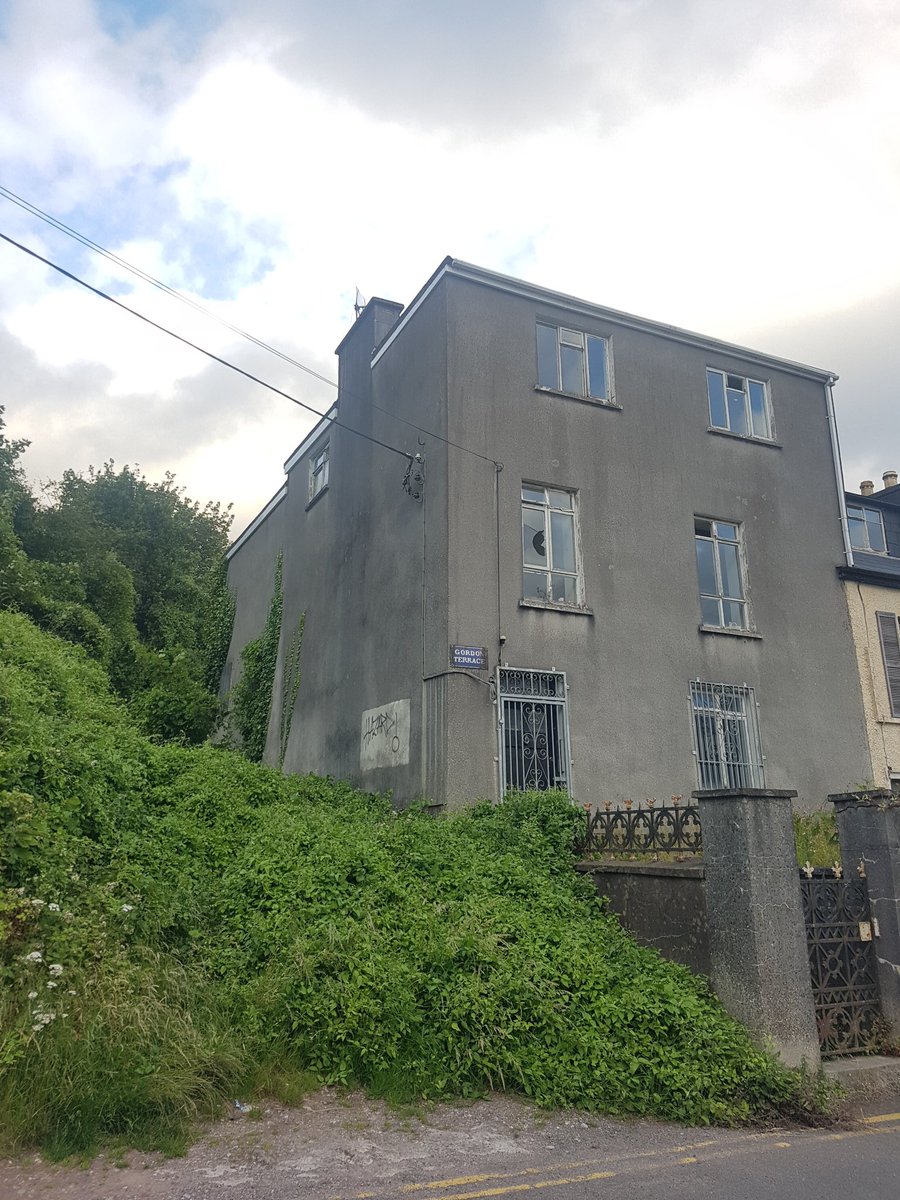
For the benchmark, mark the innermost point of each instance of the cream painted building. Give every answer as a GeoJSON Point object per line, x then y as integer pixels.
{"type": "Point", "coordinates": [872, 582]}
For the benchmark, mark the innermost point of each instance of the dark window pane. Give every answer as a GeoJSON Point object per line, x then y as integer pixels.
{"type": "Point", "coordinates": [709, 609]}
{"type": "Point", "coordinates": [548, 368]}
{"type": "Point", "coordinates": [564, 589]}
{"type": "Point", "coordinates": [706, 570]}
{"type": "Point", "coordinates": [572, 367]}
{"type": "Point", "coordinates": [759, 413]}
{"type": "Point", "coordinates": [730, 571]}
{"type": "Point", "coordinates": [598, 385]}
{"type": "Point", "coordinates": [534, 585]}
{"type": "Point", "coordinates": [737, 412]}
{"type": "Point", "coordinates": [876, 530]}
{"type": "Point", "coordinates": [716, 387]}
{"type": "Point", "coordinates": [703, 526]}
{"type": "Point", "coordinates": [562, 541]}
{"type": "Point", "coordinates": [534, 547]}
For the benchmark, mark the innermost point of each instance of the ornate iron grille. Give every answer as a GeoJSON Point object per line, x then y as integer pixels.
{"type": "Point", "coordinates": [647, 829]}
{"type": "Point", "coordinates": [534, 736]}
{"type": "Point", "coordinates": [842, 965]}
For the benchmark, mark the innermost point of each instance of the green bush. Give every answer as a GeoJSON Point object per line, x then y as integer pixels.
{"type": "Point", "coordinates": [222, 926]}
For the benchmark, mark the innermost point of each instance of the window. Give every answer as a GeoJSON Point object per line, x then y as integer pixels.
{"type": "Point", "coordinates": [573, 362]}
{"type": "Point", "coordinates": [550, 571]}
{"type": "Point", "coordinates": [726, 736]}
{"type": "Point", "coordinates": [889, 634]}
{"type": "Point", "coordinates": [534, 731]}
{"type": "Point", "coordinates": [720, 574]}
{"type": "Point", "coordinates": [739, 405]}
{"type": "Point", "coordinates": [318, 471]}
{"type": "Point", "coordinates": [866, 529]}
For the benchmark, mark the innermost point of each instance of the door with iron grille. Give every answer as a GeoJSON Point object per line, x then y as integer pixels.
{"type": "Point", "coordinates": [839, 936]}
{"type": "Point", "coordinates": [534, 731]}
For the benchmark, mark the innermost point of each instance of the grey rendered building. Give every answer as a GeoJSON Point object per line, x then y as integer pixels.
{"type": "Point", "coordinates": [639, 527]}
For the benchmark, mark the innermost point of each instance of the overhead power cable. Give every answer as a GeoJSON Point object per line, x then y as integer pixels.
{"type": "Point", "coordinates": [193, 345]}
{"type": "Point", "coordinates": [62, 227]}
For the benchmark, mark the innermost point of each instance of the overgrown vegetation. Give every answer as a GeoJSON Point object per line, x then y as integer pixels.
{"type": "Point", "coordinates": [816, 839]}
{"type": "Point", "coordinates": [251, 699]}
{"type": "Point", "coordinates": [130, 570]}
{"type": "Point", "coordinates": [179, 926]}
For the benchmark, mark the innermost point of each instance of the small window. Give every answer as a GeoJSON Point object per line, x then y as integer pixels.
{"type": "Point", "coordinates": [551, 572]}
{"type": "Point", "coordinates": [573, 362]}
{"type": "Point", "coordinates": [889, 635]}
{"type": "Point", "coordinates": [720, 574]}
{"type": "Point", "coordinates": [726, 736]}
{"type": "Point", "coordinates": [866, 529]}
{"type": "Point", "coordinates": [318, 470]}
{"type": "Point", "coordinates": [739, 405]}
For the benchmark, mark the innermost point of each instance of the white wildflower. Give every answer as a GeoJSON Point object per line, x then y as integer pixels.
{"type": "Point", "coordinates": [34, 956]}
{"type": "Point", "coordinates": [52, 908]}
{"type": "Point", "coordinates": [38, 903]}
{"type": "Point", "coordinates": [38, 1027]}
{"type": "Point", "coordinates": [51, 983]}
{"type": "Point", "coordinates": [55, 969]}
{"type": "Point", "coordinates": [127, 908]}
{"type": "Point", "coordinates": [71, 991]}
{"type": "Point", "coordinates": [20, 891]}
{"type": "Point", "coordinates": [32, 995]}
{"type": "Point", "coordinates": [111, 886]}
{"type": "Point", "coordinates": [46, 1018]}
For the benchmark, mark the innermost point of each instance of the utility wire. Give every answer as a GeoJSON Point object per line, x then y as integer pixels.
{"type": "Point", "coordinates": [198, 307]}
{"type": "Point", "coordinates": [209, 354]}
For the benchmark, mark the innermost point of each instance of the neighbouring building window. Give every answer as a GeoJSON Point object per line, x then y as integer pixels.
{"type": "Point", "coordinates": [550, 559]}
{"type": "Point", "coordinates": [726, 736]}
{"type": "Point", "coordinates": [720, 573]}
{"type": "Point", "coordinates": [889, 633]}
{"type": "Point", "coordinates": [534, 731]}
{"type": "Point", "coordinates": [739, 405]}
{"type": "Point", "coordinates": [866, 529]}
{"type": "Point", "coordinates": [318, 470]}
{"type": "Point", "coordinates": [895, 784]}
{"type": "Point", "coordinates": [573, 362]}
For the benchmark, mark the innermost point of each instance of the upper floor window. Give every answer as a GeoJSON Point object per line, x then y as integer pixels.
{"type": "Point", "coordinates": [573, 362]}
{"type": "Point", "coordinates": [866, 529]}
{"type": "Point", "coordinates": [738, 405]}
{"type": "Point", "coordinates": [550, 562]}
{"type": "Point", "coordinates": [318, 470]}
{"type": "Point", "coordinates": [720, 574]}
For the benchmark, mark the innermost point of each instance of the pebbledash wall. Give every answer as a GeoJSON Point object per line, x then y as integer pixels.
{"type": "Point", "coordinates": [389, 583]}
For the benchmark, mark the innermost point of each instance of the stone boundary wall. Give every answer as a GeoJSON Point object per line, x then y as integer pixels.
{"type": "Point", "coordinates": [662, 905]}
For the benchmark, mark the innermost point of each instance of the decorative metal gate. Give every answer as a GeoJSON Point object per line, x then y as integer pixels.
{"type": "Point", "coordinates": [534, 733]}
{"type": "Point", "coordinates": [839, 933]}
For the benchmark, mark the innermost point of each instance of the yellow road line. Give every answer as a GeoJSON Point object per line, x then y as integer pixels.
{"type": "Point", "coordinates": [562, 1181]}
{"type": "Point", "coordinates": [883, 1117]}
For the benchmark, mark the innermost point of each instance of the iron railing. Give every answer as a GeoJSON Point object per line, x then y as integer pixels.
{"type": "Point", "coordinates": [647, 828]}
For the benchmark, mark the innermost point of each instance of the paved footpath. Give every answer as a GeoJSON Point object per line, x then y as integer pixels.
{"type": "Point", "coordinates": [345, 1147]}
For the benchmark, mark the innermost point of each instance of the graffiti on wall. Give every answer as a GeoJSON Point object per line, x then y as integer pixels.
{"type": "Point", "coordinates": [384, 736]}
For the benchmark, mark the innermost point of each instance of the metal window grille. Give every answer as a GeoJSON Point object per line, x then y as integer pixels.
{"type": "Point", "coordinates": [534, 731]}
{"type": "Point", "coordinates": [726, 736]}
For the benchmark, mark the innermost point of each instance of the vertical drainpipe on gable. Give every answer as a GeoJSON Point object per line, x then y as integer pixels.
{"type": "Point", "coordinates": [838, 473]}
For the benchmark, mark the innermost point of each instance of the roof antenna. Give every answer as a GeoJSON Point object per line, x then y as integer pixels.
{"type": "Point", "coordinates": [359, 304]}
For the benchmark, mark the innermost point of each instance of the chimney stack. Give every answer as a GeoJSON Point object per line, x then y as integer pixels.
{"type": "Point", "coordinates": [890, 479]}
{"type": "Point", "coordinates": [866, 488]}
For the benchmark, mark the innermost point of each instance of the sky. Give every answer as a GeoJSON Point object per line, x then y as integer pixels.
{"type": "Point", "coordinates": [732, 168]}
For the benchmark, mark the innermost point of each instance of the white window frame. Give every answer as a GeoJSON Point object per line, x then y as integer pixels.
{"type": "Point", "coordinates": [865, 513]}
{"type": "Point", "coordinates": [734, 711]}
{"type": "Point", "coordinates": [717, 540]}
{"type": "Point", "coordinates": [319, 469]}
{"type": "Point", "coordinates": [547, 508]}
{"type": "Point", "coordinates": [520, 692]}
{"type": "Point", "coordinates": [732, 382]}
{"type": "Point", "coordinates": [576, 339]}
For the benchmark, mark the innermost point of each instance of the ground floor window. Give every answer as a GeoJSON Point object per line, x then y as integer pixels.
{"type": "Point", "coordinates": [726, 736]}
{"type": "Point", "coordinates": [534, 731]}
